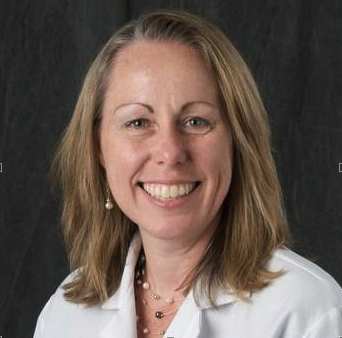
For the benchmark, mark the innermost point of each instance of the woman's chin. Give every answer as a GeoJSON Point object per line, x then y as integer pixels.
{"type": "Point", "coordinates": [176, 231]}
{"type": "Point", "coordinates": [167, 231]}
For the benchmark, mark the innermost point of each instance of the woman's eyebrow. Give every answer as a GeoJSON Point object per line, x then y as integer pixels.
{"type": "Point", "coordinates": [151, 110]}
{"type": "Point", "coordinates": [135, 103]}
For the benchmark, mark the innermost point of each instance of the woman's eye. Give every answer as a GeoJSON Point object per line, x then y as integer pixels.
{"type": "Point", "coordinates": [137, 123]}
{"type": "Point", "coordinates": [197, 125]}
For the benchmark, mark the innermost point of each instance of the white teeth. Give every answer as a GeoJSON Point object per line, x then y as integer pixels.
{"type": "Point", "coordinates": [165, 191]}
{"type": "Point", "coordinates": [168, 192]}
{"type": "Point", "coordinates": [174, 191]}
{"type": "Point", "coordinates": [187, 188]}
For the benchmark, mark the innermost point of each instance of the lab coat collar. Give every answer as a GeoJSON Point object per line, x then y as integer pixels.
{"type": "Point", "coordinates": [119, 299]}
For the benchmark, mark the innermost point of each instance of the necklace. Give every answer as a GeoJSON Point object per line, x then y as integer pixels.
{"type": "Point", "coordinates": [145, 285]}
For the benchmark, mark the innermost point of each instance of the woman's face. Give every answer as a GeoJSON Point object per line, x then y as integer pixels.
{"type": "Point", "coordinates": [164, 144]}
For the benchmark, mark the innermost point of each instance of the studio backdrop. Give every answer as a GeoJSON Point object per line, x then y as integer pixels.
{"type": "Point", "coordinates": [293, 48]}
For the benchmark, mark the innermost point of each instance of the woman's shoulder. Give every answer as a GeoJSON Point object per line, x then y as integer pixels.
{"type": "Point", "coordinates": [305, 300]}
{"type": "Point", "coordinates": [56, 314]}
{"type": "Point", "coordinates": [58, 299]}
{"type": "Point", "coordinates": [303, 283]}
{"type": "Point", "coordinates": [57, 306]}
{"type": "Point", "coordinates": [301, 270]}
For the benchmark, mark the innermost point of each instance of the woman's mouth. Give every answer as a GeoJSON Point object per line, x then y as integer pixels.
{"type": "Point", "coordinates": [167, 192]}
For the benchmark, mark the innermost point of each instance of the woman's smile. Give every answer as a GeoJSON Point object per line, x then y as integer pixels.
{"type": "Point", "coordinates": [168, 192]}
{"type": "Point", "coordinates": [169, 195]}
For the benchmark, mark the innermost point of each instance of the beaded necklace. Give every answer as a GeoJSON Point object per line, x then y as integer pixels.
{"type": "Point", "coordinates": [146, 287]}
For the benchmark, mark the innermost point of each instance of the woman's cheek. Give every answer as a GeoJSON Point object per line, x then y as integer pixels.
{"type": "Point", "coordinates": [128, 156]}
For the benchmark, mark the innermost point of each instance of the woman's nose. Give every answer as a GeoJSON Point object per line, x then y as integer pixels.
{"type": "Point", "coordinates": [170, 148]}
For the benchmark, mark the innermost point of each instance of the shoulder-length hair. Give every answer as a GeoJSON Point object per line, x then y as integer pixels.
{"type": "Point", "coordinates": [253, 220]}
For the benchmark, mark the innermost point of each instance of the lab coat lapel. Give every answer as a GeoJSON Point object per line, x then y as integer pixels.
{"type": "Point", "coordinates": [187, 322]}
{"type": "Point", "coordinates": [123, 323]}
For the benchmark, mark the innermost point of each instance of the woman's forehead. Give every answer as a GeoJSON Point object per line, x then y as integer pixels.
{"type": "Point", "coordinates": [161, 67]}
{"type": "Point", "coordinates": [142, 51]}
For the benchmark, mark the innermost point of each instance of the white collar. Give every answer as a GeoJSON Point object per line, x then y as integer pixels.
{"type": "Point", "coordinates": [126, 289]}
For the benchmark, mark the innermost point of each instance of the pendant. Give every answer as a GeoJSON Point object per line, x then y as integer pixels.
{"type": "Point", "coordinates": [159, 314]}
{"type": "Point", "coordinates": [155, 296]}
{"type": "Point", "coordinates": [146, 285]}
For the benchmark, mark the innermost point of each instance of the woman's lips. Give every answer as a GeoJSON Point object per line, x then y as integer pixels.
{"type": "Point", "coordinates": [165, 192]}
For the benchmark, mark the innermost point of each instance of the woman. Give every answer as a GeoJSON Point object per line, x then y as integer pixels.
{"type": "Point", "coordinates": [173, 214]}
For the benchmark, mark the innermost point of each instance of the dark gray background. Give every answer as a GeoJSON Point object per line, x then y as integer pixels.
{"type": "Point", "coordinates": [294, 51]}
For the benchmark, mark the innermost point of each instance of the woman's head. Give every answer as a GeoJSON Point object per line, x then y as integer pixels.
{"type": "Point", "coordinates": [150, 61]}
{"type": "Point", "coordinates": [163, 134]}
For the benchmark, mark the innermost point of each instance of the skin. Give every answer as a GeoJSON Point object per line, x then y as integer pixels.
{"type": "Point", "coordinates": [169, 144]}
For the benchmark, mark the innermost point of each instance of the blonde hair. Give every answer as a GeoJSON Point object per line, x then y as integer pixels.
{"type": "Point", "coordinates": [253, 222]}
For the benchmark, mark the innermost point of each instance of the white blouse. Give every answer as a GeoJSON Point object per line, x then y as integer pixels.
{"type": "Point", "coordinates": [305, 302]}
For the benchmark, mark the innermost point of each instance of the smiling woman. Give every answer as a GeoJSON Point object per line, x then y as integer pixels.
{"type": "Point", "coordinates": [172, 209]}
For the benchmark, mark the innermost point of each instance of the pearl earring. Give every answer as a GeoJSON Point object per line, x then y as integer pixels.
{"type": "Point", "coordinates": [109, 204]}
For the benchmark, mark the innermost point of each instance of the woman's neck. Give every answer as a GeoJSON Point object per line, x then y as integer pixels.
{"type": "Point", "coordinates": [169, 263]}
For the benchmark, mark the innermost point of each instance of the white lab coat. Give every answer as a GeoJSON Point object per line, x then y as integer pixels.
{"type": "Point", "coordinates": [304, 303]}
